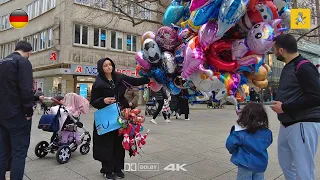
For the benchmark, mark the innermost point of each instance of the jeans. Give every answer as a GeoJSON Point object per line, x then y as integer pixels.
{"type": "Point", "coordinates": [297, 146]}
{"type": "Point", "coordinates": [14, 142]}
{"type": "Point", "coordinates": [245, 174]}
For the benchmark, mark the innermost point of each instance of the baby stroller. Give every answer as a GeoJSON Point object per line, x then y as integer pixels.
{"type": "Point", "coordinates": [151, 107]}
{"type": "Point", "coordinates": [68, 139]}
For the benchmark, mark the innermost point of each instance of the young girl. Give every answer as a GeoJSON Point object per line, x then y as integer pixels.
{"type": "Point", "coordinates": [248, 142]}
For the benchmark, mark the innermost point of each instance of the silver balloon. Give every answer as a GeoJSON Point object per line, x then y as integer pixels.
{"type": "Point", "coordinates": [285, 16]}
{"type": "Point", "coordinates": [168, 62]}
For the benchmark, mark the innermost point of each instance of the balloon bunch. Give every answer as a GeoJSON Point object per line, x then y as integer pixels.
{"type": "Point", "coordinates": [219, 46]}
{"type": "Point", "coordinates": [131, 121]}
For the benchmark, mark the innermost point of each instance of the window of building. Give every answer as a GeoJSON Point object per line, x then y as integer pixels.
{"type": "Point", "coordinates": [44, 6]}
{"type": "Point", "coordinates": [116, 40]}
{"type": "Point", "coordinates": [99, 3]}
{"type": "Point", "coordinates": [52, 4]}
{"type": "Point", "coordinates": [81, 34]}
{"type": "Point", "coordinates": [36, 8]}
{"type": "Point", "coordinates": [87, 2]}
{"type": "Point", "coordinates": [99, 37]}
{"type": "Point", "coordinates": [4, 22]}
{"type": "Point", "coordinates": [35, 42]}
{"type": "Point", "coordinates": [29, 10]}
{"type": "Point", "coordinates": [43, 40]}
{"type": "Point", "coordinates": [131, 43]}
{"type": "Point", "coordinates": [49, 38]}
{"type": "Point", "coordinates": [3, 1]}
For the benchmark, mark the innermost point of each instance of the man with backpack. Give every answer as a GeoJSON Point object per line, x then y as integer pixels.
{"type": "Point", "coordinates": [298, 107]}
{"type": "Point", "coordinates": [16, 110]}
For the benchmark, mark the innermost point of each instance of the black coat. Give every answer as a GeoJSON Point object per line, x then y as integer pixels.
{"type": "Point", "coordinates": [183, 102]}
{"type": "Point", "coordinates": [104, 145]}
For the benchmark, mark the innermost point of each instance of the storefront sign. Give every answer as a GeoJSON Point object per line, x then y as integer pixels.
{"type": "Point", "coordinates": [53, 56]}
{"type": "Point", "coordinates": [93, 71]}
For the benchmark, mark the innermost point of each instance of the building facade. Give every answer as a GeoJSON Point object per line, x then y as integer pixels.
{"type": "Point", "coordinates": [70, 36]}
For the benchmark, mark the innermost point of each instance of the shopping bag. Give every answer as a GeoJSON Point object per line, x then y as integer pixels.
{"type": "Point", "coordinates": [106, 119]}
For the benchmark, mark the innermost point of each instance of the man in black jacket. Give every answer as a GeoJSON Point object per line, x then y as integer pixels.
{"type": "Point", "coordinates": [298, 107]}
{"type": "Point", "coordinates": [16, 109]}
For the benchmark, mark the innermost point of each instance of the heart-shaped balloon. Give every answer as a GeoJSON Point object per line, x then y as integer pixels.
{"type": "Point", "coordinates": [169, 62]}
{"type": "Point", "coordinates": [167, 38]}
{"type": "Point", "coordinates": [173, 13]}
{"type": "Point", "coordinates": [143, 63]}
{"type": "Point", "coordinates": [230, 13]}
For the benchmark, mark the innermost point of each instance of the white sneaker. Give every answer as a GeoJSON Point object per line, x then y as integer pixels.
{"type": "Point", "coordinates": [177, 116]}
{"type": "Point", "coordinates": [167, 121]}
{"type": "Point", "coordinates": [153, 121]}
{"type": "Point", "coordinates": [187, 119]}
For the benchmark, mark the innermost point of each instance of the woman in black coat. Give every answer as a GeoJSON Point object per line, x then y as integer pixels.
{"type": "Point", "coordinates": [109, 88]}
{"type": "Point", "coordinates": [183, 104]}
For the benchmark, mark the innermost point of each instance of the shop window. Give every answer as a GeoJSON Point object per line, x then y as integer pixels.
{"type": "Point", "coordinates": [99, 37]}
{"type": "Point", "coordinates": [131, 43]}
{"type": "Point", "coordinates": [116, 40]}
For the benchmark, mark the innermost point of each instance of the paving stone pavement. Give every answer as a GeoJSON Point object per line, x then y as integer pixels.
{"type": "Point", "coordinates": [199, 143]}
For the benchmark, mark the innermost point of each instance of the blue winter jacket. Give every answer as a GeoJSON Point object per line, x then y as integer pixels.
{"type": "Point", "coordinates": [249, 150]}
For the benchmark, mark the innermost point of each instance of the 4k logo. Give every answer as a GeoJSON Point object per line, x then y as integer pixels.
{"type": "Point", "coordinates": [175, 167]}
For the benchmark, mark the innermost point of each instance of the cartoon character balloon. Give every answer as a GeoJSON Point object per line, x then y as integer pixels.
{"type": "Point", "coordinates": [151, 51]}
{"type": "Point", "coordinates": [207, 33]}
{"type": "Point", "coordinates": [265, 11]}
{"type": "Point", "coordinates": [167, 37]}
{"type": "Point", "coordinates": [204, 14]}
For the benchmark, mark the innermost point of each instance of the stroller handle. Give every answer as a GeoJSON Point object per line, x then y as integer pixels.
{"type": "Point", "coordinates": [56, 101]}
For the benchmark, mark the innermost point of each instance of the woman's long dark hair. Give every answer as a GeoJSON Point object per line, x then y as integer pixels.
{"type": "Point", "coordinates": [253, 117]}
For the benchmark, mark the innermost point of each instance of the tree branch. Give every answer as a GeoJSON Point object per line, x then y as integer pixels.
{"type": "Point", "coordinates": [305, 34]}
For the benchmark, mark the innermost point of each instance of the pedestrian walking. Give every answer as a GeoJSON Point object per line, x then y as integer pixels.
{"type": "Point", "coordinates": [183, 104]}
{"type": "Point", "coordinates": [16, 110]}
{"type": "Point", "coordinates": [160, 96]}
{"type": "Point", "coordinates": [107, 89]}
{"type": "Point", "coordinates": [38, 103]}
{"type": "Point", "coordinates": [297, 104]}
{"type": "Point", "coordinates": [248, 142]}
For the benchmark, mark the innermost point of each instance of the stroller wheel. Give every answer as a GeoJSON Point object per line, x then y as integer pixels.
{"type": "Point", "coordinates": [41, 149]}
{"type": "Point", "coordinates": [63, 154]}
{"type": "Point", "coordinates": [75, 147]}
{"type": "Point", "coordinates": [84, 149]}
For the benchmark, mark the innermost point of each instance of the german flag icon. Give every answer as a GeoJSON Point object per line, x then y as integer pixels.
{"type": "Point", "coordinates": [18, 19]}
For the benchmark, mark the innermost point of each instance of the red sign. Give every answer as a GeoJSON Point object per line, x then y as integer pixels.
{"type": "Point", "coordinates": [79, 69]}
{"type": "Point", "coordinates": [127, 72]}
{"type": "Point", "coordinates": [53, 56]}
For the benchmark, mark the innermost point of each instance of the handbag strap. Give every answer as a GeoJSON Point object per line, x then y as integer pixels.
{"type": "Point", "coordinates": [59, 113]}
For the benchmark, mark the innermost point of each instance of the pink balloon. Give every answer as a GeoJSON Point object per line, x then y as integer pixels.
{"type": "Point", "coordinates": [196, 4]}
{"type": "Point", "coordinates": [239, 49]}
{"type": "Point", "coordinates": [207, 34]}
{"type": "Point", "coordinates": [167, 38]}
{"type": "Point", "coordinates": [260, 37]}
{"type": "Point", "coordinates": [249, 60]}
{"type": "Point", "coordinates": [155, 87]}
{"type": "Point", "coordinates": [143, 63]}
{"type": "Point", "coordinates": [193, 57]}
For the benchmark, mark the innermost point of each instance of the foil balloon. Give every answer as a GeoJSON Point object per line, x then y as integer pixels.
{"type": "Point", "coordinates": [281, 5]}
{"type": "Point", "coordinates": [141, 72]}
{"type": "Point", "coordinates": [239, 49]}
{"type": "Point", "coordinates": [285, 16]}
{"type": "Point", "coordinates": [204, 14]}
{"type": "Point", "coordinates": [189, 24]}
{"type": "Point", "coordinates": [230, 13]}
{"type": "Point", "coordinates": [260, 37]}
{"type": "Point", "coordinates": [167, 37]}
{"type": "Point", "coordinates": [215, 59]}
{"type": "Point", "coordinates": [143, 63]}
{"type": "Point", "coordinates": [185, 35]}
{"type": "Point", "coordinates": [173, 88]}
{"type": "Point", "coordinates": [186, 12]}
{"type": "Point", "coordinates": [154, 86]}
{"type": "Point", "coordinates": [173, 13]}
{"type": "Point", "coordinates": [148, 35]}
{"type": "Point", "coordinates": [179, 58]}
{"type": "Point", "coordinates": [259, 79]}
{"type": "Point", "coordinates": [266, 11]}
{"type": "Point", "coordinates": [207, 34]}
{"type": "Point", "coordinates": [193, 58]}
{"type": "Point", "coordinates": [159, 75]}
{"type": "Point", "coordinates": [169, 62]}
{"type": "Point", "coordinates": [151, 51]}
{"type": "Point", "coordinates": [180, 82]}
{"type": "Point", "coordinates": [196, 4]}
{"type": "Point", "coordinates": [252, 5]}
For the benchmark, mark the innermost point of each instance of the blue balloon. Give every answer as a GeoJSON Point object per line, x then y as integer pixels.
{"type": "Point", "coordinates": [173, 13]}
{"type": "Point", "coordinates": [245, 68]}
{"type": "Point", "coordinates": [159, 75]}
{"type": "Point", "coordinates": [257, 66]}
{"type": "Point", "coordinates": [141, 128]}
{"type": "Point", "coordinates": [204, 14]}
{"type": "Point", "coordinates": [243, 80]}
{"type": "Point", "coordinates": [186, 12]}
{"type": "Point", "coordinates": [173, 88]}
